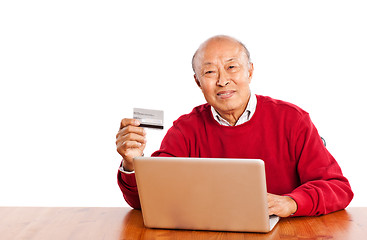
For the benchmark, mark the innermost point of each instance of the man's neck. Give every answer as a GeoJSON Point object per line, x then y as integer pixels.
{"type": "Point", "coordinates": [232, 117]}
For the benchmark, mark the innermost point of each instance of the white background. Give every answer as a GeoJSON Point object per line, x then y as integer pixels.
{"type": "Point", "coordinates": [71, 70]}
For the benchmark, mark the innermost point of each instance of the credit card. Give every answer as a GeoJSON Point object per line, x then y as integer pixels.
{"type": "Point", "coordinates": [149, 118]}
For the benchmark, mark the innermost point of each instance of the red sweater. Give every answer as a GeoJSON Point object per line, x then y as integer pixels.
{"type": "Point", "coordinates": [296, 162]}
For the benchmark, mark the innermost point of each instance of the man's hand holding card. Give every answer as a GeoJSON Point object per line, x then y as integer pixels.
{"type": "Point", "coordinates": [131, 137]}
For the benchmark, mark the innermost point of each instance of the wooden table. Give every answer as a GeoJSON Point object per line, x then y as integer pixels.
{"type": "Point", "coordinates": [124, 223]}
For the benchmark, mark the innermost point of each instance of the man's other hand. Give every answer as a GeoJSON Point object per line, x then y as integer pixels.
{"type": "Point", "coordinates": [282, 206]}
{"type": "Point", "coordinates": [130, 141]}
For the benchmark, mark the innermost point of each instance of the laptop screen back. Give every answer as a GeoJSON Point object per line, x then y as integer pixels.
{"type": "Point", "coordinates": [203, 193]}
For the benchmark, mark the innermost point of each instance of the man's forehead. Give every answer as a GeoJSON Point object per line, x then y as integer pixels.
{"type": "Point", "coordinates": [231, 59]}
{"type": "Point", "coordinates": [210, 56]}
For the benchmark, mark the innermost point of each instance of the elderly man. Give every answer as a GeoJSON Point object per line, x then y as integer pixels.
{"type": "Point", "coordinates": [303, 179]}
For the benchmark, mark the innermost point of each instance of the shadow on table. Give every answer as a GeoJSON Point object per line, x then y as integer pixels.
{"type": "Point", "coordinates": [134, 229]}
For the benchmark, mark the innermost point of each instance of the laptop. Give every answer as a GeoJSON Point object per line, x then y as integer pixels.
{"type": "Point", "coordinates": [215, 194]}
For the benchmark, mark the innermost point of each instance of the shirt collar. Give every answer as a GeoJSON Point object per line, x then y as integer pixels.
{"type": "Point", "coordinates": [246, 115]}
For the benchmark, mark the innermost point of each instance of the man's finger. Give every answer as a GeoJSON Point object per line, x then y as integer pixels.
{"type": "Point", "coordinates": [128, 145]}
{"type": "Point", "coordinates": [131, 129]}
{"type": "Point", "coordinates": [270, 200]}
{"type": "Point", "coordinates": [271, 211]}
{"type": "Point", "coordinates": [130, 137]}
{"type": "Point", "coordinates": [282, 206]}
{"type": "Point", "coordinates": [129, 121]}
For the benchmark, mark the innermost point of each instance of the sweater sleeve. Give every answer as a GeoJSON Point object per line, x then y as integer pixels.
{"type": "Point", "coordinates": [173, 145]}
{"type": "Point", "coordinates": [129, 189]}
{"type": "Point", "coordinates": [323, 187]}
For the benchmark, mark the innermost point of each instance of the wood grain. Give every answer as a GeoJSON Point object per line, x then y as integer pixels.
{"type": "Point", "coordinates": [41, 223]}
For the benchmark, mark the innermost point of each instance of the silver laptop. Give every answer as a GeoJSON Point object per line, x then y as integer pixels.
{"type": "Point", "coordinates": [217, 194]}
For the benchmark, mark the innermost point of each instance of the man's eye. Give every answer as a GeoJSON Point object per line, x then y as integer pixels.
{"type": "Point", "coordinates": [209, 72]}
{"type": "Point", "coordinates": [230, 67]}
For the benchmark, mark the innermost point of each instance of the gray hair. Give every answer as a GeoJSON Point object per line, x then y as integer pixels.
{"type": "Point", "coordinates": [221, 36]}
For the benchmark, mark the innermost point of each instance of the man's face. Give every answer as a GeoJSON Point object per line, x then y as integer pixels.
{"type": "Point", "coordinates": [224, 74]}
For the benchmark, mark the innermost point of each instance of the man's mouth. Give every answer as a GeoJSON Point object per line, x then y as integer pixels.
{"type": "Point", "coordinates": [225, 94]}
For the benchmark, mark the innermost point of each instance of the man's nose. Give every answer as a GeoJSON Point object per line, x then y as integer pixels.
{"type": "Point", "coordinates": [223, 79]}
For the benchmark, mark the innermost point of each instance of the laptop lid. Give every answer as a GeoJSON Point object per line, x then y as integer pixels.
{"type": "Point", "coordinates": [219, 194]}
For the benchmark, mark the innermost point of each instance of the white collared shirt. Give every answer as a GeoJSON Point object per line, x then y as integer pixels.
{"type": "Point", "coordinates": [246, 115]}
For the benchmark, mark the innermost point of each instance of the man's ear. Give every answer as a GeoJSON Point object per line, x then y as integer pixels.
{"type": "Point", "coordinates": [197, 81]}
{"type": "Point", "coordinates": [250, 71]}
